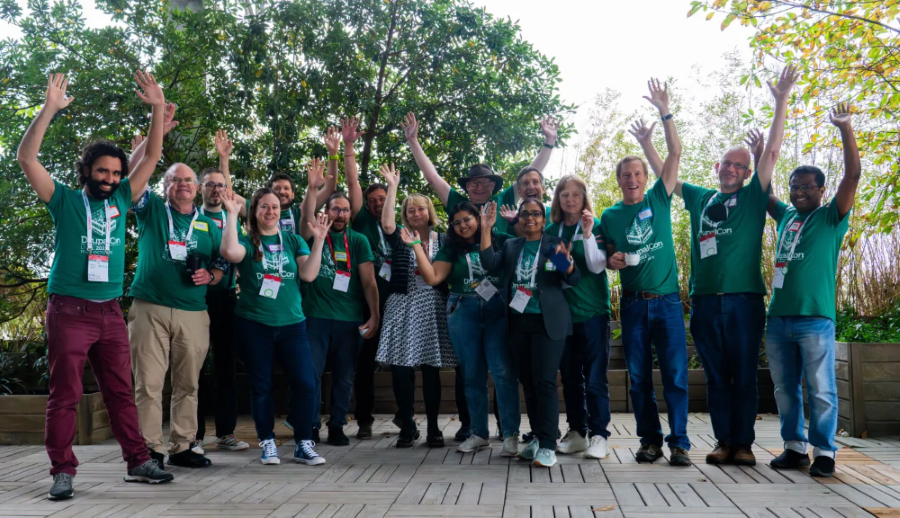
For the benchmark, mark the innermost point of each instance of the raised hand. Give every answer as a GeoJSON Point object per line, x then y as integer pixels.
{"type": "Point", "coordinates": [55, 98]}
{"type": "Point", "coordinates": [840, 117]}
{"type": "Point", "coordinates": [169, 121]}
{"type": "Point", "coordinates": [320, 226]}
{"type": "Point", "coordinates": [587, 222]}
{"type": "Point", "coordinates": [391, 176]}
{"type": "Point", "coordinates": [549, 127]}
{"type": "Point", "coordinates": [756, 142]}
{"type": "Point", "coordinates": [348, 129]}
{"type": "Point", "coordinates": [786, 81]}
{"type": "Point", "coordinates": [488, 216]}
{"type": "Point", "coordinates": [152, 92]}
{"type": "Point", "coordinates": [659, 95]}
{"type": "Point", "coordinates": [229, 201]}
{"type": "Point", "coordinates": [640, 131]}
{"type": "Point", "coordinates": [410, 127]}
{"type": "Point", "coordinates": [509, 213]}
{"type": "Point", "coordinates": [332, 140]}
{"type": "Point", "coordinates": [224, 146]}
{"type": "Point", "coordinates": [136, 141]}
{"type": "Point", "coordinates": [315, 171]}
{"type": "Point", "coordinates": [409, 237]}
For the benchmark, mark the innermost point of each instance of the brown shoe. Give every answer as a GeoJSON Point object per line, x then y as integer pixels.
{"type": "Point", "coordinates": [743, 456]}
{"type": "Point", "coordinates": [720, 455]}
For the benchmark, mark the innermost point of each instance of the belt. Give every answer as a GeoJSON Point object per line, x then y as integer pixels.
{"type": "Point", "coordinates": [646, 295]}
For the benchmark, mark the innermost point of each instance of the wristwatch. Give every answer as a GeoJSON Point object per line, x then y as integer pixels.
{"type": "Point", "coordinates": [212, 278]}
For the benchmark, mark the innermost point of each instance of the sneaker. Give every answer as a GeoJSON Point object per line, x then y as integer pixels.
{"type": "Point", "coordinates": [62, 487]}
{"type": "Point", "coordinates": [790, 459]}
{"type": "Point", "coordinates": [159, 459]}
{"type": "Point", "coordinates": [648, 453]}
{"type": "Point", "coordinates": [526, 438]}
{"type": "Point", "coordinates": [288, 425]}
{"type": "Point", "coordinates": [365, 431]}
{"type": "Point", "coordinates": [435, 440]}
{"type": "Point", "coordinates": [150, 473]}
{"type": "Point", "coordinates": [189, 459]}
{"type": "Point", "coordinates": [530, 450]}
{"type": "Point", "coordinates": [473, 443]}
{"type": "Point", "coordinates": [197, 448]}
{"type": "Point", "coordinates": [336, 436]}
{"type": "Point", "coordinates": [269, 452]}
{"type": "Point", "coordinates": [598, 448]}
{"type": "Point", "coordinates": [510, 446]}
{"type": "Point", "coordinates": [573, 442]}
{"type": "Point", "coordinates": [679, 457]}
{"type": "Point", "coordinates": [743, 456]}
{"type": "Point", "coordinates": [545, 458]}
{"type": "Point", "coordinates": [231, 443]}
{"type": "Point", "coordinates": [463, 434]}
{"type": "Point", "coordinates": [408, 440]}
{"type": "Point", "coordinates": [822, 467]}
{"type": "Point", "coordinates": [720, 455]}
{"type": "Point", "coordinates": [305, 454]}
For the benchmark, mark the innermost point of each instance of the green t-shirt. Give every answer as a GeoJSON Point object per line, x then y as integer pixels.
{"type": "Point", "coordinates": [809, 284]}
{"type": "Point", "coordinates": [590, 297]}
{"type": "Point", "coordinates": [524, 271]}
{"type": "Point", "coordinates": [290, 219]}
{"type": "Point", "coordinates": [461, 279]}
{"type": "Point", "coordinates": [219, 218]}
{"type": "Point", "coordinates": [367, 225]}
{"type": "Point", "coordinates": [69, 273]}
{"type": "Point", "coordinates": [644, 228]}
{"type": "Point", "coordinates": [286, 309]}
{"type": "Point", "coordinates": [735, 267]}
{"type": "Point", "coordinates": [320, 299]}
{"type": "Point", "coordinates": [159, 278]}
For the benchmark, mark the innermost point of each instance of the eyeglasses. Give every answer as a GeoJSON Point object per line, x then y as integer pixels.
{"type": "Point", "coordinates": [466, 220]}
{"type": "Point", "coordinates": [534, 214]}
{"type": "Point", "coordinates": [214, 185]}
{"type": "Point", "coordinates": [479, 183]}
{"type": "Point", "coordinates": [178, 181]}
{"type": "Point", "coordinates": [741, 168]}
{"type": "Point", "coordinates": [338, 210]}
{"type": "Point", "coordinates": [807, 187]}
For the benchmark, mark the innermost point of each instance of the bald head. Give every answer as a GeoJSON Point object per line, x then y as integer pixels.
{"type": "Point", "coordinates": [734, 168]}
{"type": "Point", "coordinates": [180, 183]}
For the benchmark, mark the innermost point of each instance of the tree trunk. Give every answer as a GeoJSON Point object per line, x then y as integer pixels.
{"type": "Point", "coordinates": [372, 123]}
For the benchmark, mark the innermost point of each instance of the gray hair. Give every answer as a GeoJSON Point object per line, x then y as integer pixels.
{"type": "Point", "coordinates": [170, 172]}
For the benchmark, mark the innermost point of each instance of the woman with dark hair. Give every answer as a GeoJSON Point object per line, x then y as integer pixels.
{"type": "Point", "coordinates": [476, 316]}
{"type": "Point", "coordinates": [536, 268]}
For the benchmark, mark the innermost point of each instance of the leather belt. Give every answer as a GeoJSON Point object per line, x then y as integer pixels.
{"type": "Point", "coordinates": [646, 295]}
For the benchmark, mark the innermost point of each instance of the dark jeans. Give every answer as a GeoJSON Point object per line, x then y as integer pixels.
{"type": "Point", "coordinates": [586, 359]}
{"type": "Point", "coordinates": [224, 350]}
{"type": "Point", "coordinates": [536, 358]}
{"type": "Point", "coordinates": [341, 340]}
{"type": "Point", "coordinates": [260, 346]}
{"type": "Point", "coordinates": [659, 323]}
{"type": "Point", "coordinates": [728, 331]}
{"type": "Point", "coordinates": [404, 381]}
{"type": "Point", "coordinates": [364, 381]}
{"type": "Point", "coordinates": [79, 330]}
{"type": "Point", "coordinates": [462, 406]}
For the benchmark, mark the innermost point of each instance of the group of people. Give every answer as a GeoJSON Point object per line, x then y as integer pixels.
{"type": "Point", "coordinates": [513, 287]}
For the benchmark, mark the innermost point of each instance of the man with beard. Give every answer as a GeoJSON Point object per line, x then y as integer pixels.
{"type": "Point", "coordinates": [728, 310]}
{"type": "Point", "coordinates": [84, 319]}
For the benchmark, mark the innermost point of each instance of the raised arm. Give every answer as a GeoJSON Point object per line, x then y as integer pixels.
{"type": "Point", "coordinates": [659, 97]}
{"type": "Point", "coordinates": [349, 133]}
{"type": "Point", "coordinates": [772, 207]}
{"type": "Point", "coordinates": [54, 100]}
{"type": "Point", "coordinates": [781, 91]}
{"type": "Point", "coordinates": [389, 212]}
{"type": "Point", "coordinates": [490, 259]}
{"type": "Point", "coordinates": [138, 144]}
{"type": "Point", "coordinates": [433, 273]}
{"type": "Point", "coordinates": [644, 135]}
{"type": "Point", "coordinates": [224, 148]}
{"type": "Point", "coordinates": [230, 249]}
{"type": "Point", "coordinates": [332, 143]}
{"type": "Point", "coordinates": [550, 128]}
{"type": "Point", "coordinates": [315, 171]}
{"type": "Point", "coordinates": [308, 265]}
{"type": "Point", "coordinates": [143, 169]}
{"type": "Point", "coordinates": [593, 256]}
{"type": "Point", "coordinates": [846, 192]}
{"type": "Point", "coordinates": [411, 129]}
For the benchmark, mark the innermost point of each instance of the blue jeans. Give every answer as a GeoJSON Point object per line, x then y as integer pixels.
{"type": "Point", "coordinates": [478, 332]}
{"type": "Point", "coordinates": [728, 331]}
{"type": "Point", "coordinates": [342, 341]}
{"type": "Point", "coordinates": [586, 359]}
{"type": "Point", "coordinates": [259, 345]}
{"type": "Point", "coordinates": [659, 322]}
{"type": "Point", "coordinates": [803, 347]}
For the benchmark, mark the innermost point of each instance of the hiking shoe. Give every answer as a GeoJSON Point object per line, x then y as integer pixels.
{"type": "Point", "coordinates": [269, 452]}
{"type": "Point", "coordinates": [197, 448]}
{"type": "Point", "coordinates": [679, 457]}
{"type": "Point", "coordinates": [531, 450]}
{"type": "Point", "coordinates": [822, 467]}
{"type": "Point", "coordinates": [473, 443]}
{"type": "Point", "coordinates": [435, 440]}
{"type": "Point", "coordinates": [648, 453]}
{"type": "Point", "coordinates": [189, 459]}
{"type": "Point", "coordinates": [305, 454]}
{"type": "Point", "coordinates": [720, 455]}
{"type": "Point", "coordinates": [150, 473]}
{"type": "Point", "coordinates": [510, 446]}
{"type": "Point", "coordinates": [159, 459]}
{"type": "Point", "coordinates": [336, 436]}
{"type": "Point", "coordinates": [743, 456]}
{"type": "Point", "coordinates": [790, 459]}
{"type": "Point", "coordinates": [573, 442]}
{"type": "Point", "coordinates": [62, 487]}
{"type": "Point", "coordinates": [365, 431]}
{"type": "Point", "coordinates": [463, 433]}
{"type": "Point", "coordinates": [545, 458]}
{"type": "Point", "coordinates": [598, 448]}
{"type": "Point", "coordinates": [231, 443]}
{"type": "Point", "coordinates": [408, 440]}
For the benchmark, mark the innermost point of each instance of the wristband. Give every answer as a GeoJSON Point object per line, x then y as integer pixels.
{"type": "Point", "coordinates": [548, 146]}
{"type": "Point", "coordinates": [667, 117]}
{"type": "Point", "coordinates": [212, 277]}
{"type": "Point", "coordinates": [333, 157]}
{"type": "Point", "coordinates": [416, 242]}
{"type": "Point", "coordinates": [349, 155]}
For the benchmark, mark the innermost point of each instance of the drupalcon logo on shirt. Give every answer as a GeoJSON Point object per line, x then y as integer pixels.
{"type": "Point", "coordinates": [787, 243]}
{"type": "Point", "coordinates": [271, 259]}
{"type": "Point", "coordinates": [98, 230]}
{"type": "Point", "coordinates": [478, 270]}
{"type": "Point", "coordinates": [326, 270]}
{"type": "Point", "coordinates": [641, 229]}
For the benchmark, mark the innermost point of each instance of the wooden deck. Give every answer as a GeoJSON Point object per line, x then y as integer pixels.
{"type": "Point", "coordinates": [374, 479]}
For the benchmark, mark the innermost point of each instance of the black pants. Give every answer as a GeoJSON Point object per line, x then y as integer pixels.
{"type": "Point", "coordinates": [536, 358]}
{"type": "Point", "coordinates": [364, 380]}
{"type": "Point", "coordinates": [223, 347]}
{"type": "Point", "coordinates": [404, 381]}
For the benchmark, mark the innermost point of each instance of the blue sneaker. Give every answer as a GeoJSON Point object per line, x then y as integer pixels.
{"type": "Point", "coordinates": [305, 454]}
{"type": "Point", "coordinates": [531, 450]}
{"type": "Point", "coordinates": [545, 458]}
{"type": "Point", "coordinates": [270, 452]}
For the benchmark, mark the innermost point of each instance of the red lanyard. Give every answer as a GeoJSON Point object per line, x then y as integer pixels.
{"type": "Point", "coordinates": [346, 250]}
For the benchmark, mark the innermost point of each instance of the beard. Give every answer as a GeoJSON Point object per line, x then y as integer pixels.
{"type": "Point", "coordinates": [97, 193]}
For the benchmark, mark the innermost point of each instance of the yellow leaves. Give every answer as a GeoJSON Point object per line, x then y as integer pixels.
{"type": "Point", "coordinates": [710, 16]}
{"type": "Point", "coordinates": [258, 72]}
{"type": "Point", "coordinates": [118, 10]}
{"type": "Point", "coordinates": [303, 84]}
{"type": "Point", "coordinates": [5, 80]}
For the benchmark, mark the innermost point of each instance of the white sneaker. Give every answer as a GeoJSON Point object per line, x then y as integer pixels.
{"type": "Point", "coordinates": [197, 448]}
{"type": "Point", "coordinates": [510, 446]}
{"type": "Point", "coordinates": [473, 443]}
{"type": "Point", "coordinates": [270, 452]}
{"type": "Point", "coordinates": [573, 442]}
{"type": "Point", "coordinates": [598, 448]}
{"type": "Point", "coordinates": [231, 443]}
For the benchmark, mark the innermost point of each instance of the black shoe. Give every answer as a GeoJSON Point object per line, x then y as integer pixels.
{"type": "Point", "coordinates": [822, 467]}
{"type": "Point", "coordinates": [463, 433]}
{"type": "Point", "coordinates": [789, 459]}
{"type": "Point", "coordinates": [159, 459]}
{"type": "Point", "coordinates": [408, 440]}
{"type": "Point", "coordinates": [150, 473]}
{"type": "Point", "coordinates": [62, 487]}
{"type": "Point", "coordinates": [189, 459]}
{"type": "Point", "coordinates": [365, 431]}
{"type": "Point", "coordinates": [679, 457]}
{"type": "Point", "coordinates": [315, 436]}
{"type": "Point", "coordinates": [435, 440]}
{"type": "Point", "coordinates": [648, 453]}
{"type": "Point", "coordinates": [336, 436]}
{"type": "Point", "coordinates": [527, 437]}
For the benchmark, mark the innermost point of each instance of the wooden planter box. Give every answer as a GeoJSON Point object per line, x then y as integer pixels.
{"type": "Point", "coordinates": [868, 386]}
{"type": "Point", "coordinates": [22, 420]}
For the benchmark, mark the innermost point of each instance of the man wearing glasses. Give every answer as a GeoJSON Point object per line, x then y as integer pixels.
{"type": "Point", "coordinates": [727, 290]}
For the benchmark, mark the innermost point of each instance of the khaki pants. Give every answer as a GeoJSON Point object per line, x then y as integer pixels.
{"type": "Point", "coordinates": [161, 336]}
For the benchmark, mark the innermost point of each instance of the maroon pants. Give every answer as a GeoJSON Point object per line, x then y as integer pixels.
{"type": "Point", "coordinates": [78, 329]}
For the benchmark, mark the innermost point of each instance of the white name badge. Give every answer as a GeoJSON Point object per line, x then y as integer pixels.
{"type": "Point", "coordinates": [274, 247]}
{"type": "Point", "coordinates": [342, 281]}
{"type": "Point", "coordinates": [286, 225]}
{"type": "Point", "coordinates": [218, 222]}
{"type": "Point", "coordinates": [708, 245]}
{"type": "Point", "coordinates": [385, 271]}
{"type": "Point", "coordinates": [646, 213]}
{"type": "Point", "coordinates": [98, 268]}
{"type": "Point", "coordinates": [270, 285]}
{"type": "Point", "coordinates": [549, 266]}
{"type": "Point", "coordinates": [781, 270]}
{"type": "Point", "coordinates": [177, 250]}
{"type": "Point", "coordinates": [113, 212]}
{"type": "Point", "coordinates": [486, 289]}
{"type": "Point", "coordinates": [520, 299]}
{"type": "Point", "coordinates": [340, 256]}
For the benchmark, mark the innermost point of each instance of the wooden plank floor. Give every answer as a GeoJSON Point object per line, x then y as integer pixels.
{"type": "Point", "coordinates": [375, 479]}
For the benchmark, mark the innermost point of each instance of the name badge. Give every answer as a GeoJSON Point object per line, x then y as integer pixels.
{"type": "Point", "coordinates": [218, 222]}
{"type": "Point", "coordinates": [177, 250]}
{"type": "Point", "coordinates": [270, 285]}
{"type": "Point", "coordinates": [98, 268]}
{"type": "Point", "coordinates": [708, 245]}
{"type": "Point", "coordinates": [385, 271]}
{"type": "Point", "coordinates": [781, 270]}
{"type": "Point", "coordinates": [342, 281]}
{"type": "Point", "coordinates": [340, 256]}
{"type": "Point", "coordinates": [732, 202]}
{"type": "Point", "coordinates": [645, 214]}
{"type": "Point", "coordinates": [286, 225]}
{"type": "Point", "coordinates": [486, 289]}
{"type": "Point", "coordinates": [199, 225]}
{"type": "Point", "coordinates": [795, 226]}
{"type": "Point", "coordinates": [520, 299]}
{"type": "Point", "coordinates": [113, 212]}
{"type": "Point", "coordinates": [274, 247]}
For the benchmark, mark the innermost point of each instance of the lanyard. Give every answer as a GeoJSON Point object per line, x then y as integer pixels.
{"type": "Point", "coordinates": [431, 239]}
{"type": "Point", "coordinates": [577, 229]}
{"type": "Point", "coordinates": [224, 216]}
{"type": "Point", "coordinates": [280, 253]}
{"type": "Point", "coordinates": [293, 223]}
{"type": "Point", "coordinates": [331, 246]}
{"type": "Point", "coordinates": [187, 239]}
{"type": "Point", "coordinates": [384, 246]}
{"type": "Point", "coordinates": [711, 202]}
{"type": "Point", "coordinates": [90, 227]}
{"type": "Point", "coordinates": [534, 266]}
{"type": "Point", "coordinates": [799, 233]}
{"type": "Point", "coordinates": [471, 270]}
